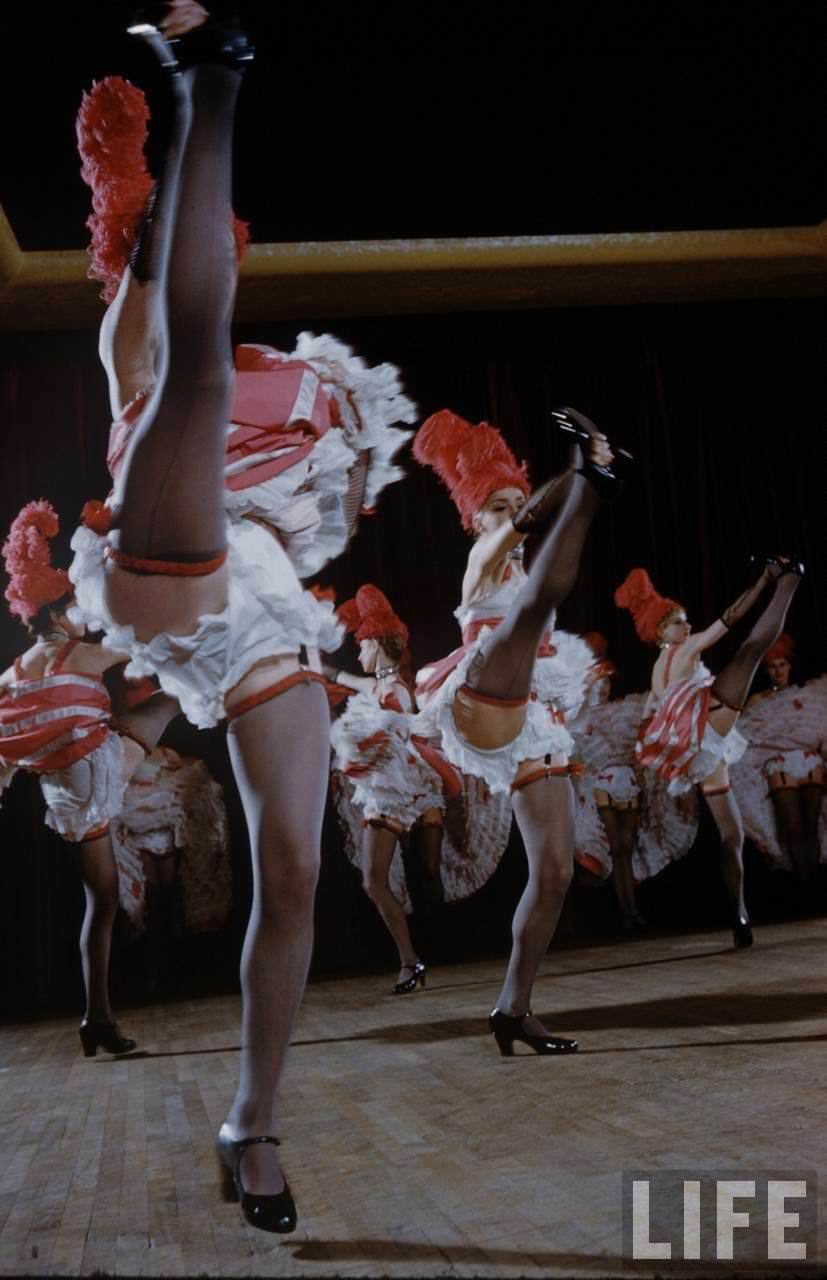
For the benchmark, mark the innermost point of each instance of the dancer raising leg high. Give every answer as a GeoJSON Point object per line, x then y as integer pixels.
{"type": "Point", "coordinates": [500, 709]}
{"type": "Point", "coordinates": [688, 735]}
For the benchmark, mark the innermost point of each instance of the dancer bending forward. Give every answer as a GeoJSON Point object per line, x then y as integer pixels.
{"type": "Point", "coordinates": [688, 735]}
{"type": "Point", "coordinates": [55, 721]}
{"type": "Point", "coordinates": [498, 703]}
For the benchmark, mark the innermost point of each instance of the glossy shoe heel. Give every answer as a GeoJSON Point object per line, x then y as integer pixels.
{"type": "Point", "coordinates": [742, 933]}
{"type": "Point", "coordinates": [507, 1029]}
{"type": "Point", "coordinates": [276, 1213]}
{"type": "Point", "coordinates": [417, 978]}
{"type": "Point", "coordinates": [103, 1035]}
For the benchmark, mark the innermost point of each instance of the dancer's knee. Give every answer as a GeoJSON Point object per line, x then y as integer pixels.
{"type": "Point", "coordinates": [375, 886]}
{"type": "Point", "coordinates": [552, 879]}
{"type": "Point", "coordinates": [288, 877]}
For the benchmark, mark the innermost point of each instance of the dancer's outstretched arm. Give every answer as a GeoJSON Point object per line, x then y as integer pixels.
{"type": "Point", "coordinates": [486, 554]}
{"type": "Point", "coordinates": [706, 639]}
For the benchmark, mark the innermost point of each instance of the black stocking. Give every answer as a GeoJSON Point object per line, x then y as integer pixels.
{"type": "Point", "coordinates": [172, 496]}
{"type": "Point", "coordinates": [732, 684]}
{"type": "Point", "coordinates": [727, 818]}
{"type": "Point", "coordinates": [506, 668]}
{"type": "Point", "coordinates": [100, 886]}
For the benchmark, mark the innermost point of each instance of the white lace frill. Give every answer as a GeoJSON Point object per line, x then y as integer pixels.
{"type": "Point", "coordinates": [540, 735]}
{"type": "Point", "coordinates": [268, 614]}
{"type": "Point", "coordinates": [370, 401]}
{"type": "Point", "coordinates": [173, 806]}
{"type": "Point", "coordinates": [475, 835]}
{"type": "Point", "coordinates": [605, 738]}
{"type": "Point", "coordinates": [786, 730]}
{"type": "Point", "coordinates": [85, 794]}
{"type": "Point", "coordinates": [398, 783]}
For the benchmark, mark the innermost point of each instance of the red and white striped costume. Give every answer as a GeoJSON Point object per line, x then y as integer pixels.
{"type": "Point", "coordinates": [678, 742]}
{"type": "Point", "coordinates": [58, 726]}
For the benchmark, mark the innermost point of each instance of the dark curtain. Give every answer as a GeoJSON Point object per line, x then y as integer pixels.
{"type": "Point", "coordinates": [722, 406]}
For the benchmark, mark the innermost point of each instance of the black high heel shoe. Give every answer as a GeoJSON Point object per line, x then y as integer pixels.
{"type": "Point", "coordinates": [782, 563]}
{"type": "Point", "coordinates": [605, 480]}
{"type": "Point", "coordinates": [407, 985]}
{"type": "Point", "coordinates": [506, 1030]}
{"type": "Point", "coordinates": [742, 932]}
{"type": "Point", "coordinates": [103, 1035]}
{"type": "Point", "coordinates": [269, 1213]}
{"type": "Point", "coordinates": [219, 40]}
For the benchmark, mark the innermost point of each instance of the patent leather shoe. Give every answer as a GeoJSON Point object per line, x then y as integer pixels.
{"type": "Point", "coordinates": [276, 1213]}
{"type": "Point", "coordinates": [507, 1029]}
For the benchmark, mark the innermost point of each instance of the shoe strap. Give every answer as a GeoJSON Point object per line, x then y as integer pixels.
{"type": "Point", "coordinates": [243, 1143]}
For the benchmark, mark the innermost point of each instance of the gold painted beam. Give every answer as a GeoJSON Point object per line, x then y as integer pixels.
{"type": "Point", "coordinates": [50, 290]}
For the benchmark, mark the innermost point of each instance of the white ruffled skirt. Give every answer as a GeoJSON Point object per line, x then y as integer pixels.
{"type": "Point", "coordinates": [397, 782]}
{"type": "Point", "coordinates": [542, 733]}
{"type": "Point", "coordinates": [85, 794]}
{"type": "Point", "coordinates": [268, 615]}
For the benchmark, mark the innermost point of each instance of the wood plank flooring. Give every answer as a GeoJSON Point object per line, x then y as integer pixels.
{"type": "Point", "coordinates": [412, 1148]}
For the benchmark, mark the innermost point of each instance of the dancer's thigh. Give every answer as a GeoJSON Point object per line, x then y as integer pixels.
{"type": "Point", "coordinates": [153, 604]}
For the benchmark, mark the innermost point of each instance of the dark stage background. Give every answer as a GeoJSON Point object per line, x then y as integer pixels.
{"type": "Point", "coordinates": [722, 406]}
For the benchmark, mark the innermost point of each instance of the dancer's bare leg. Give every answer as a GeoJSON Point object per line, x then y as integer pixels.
{"type": "Point", "coordinates": [171, 493]}
{"type": "Point", "coordinates": [723, 806]}
{"type": "Point", "coordinates": [621, 827]}
{"type": "Point", "coordinates": [545, 816]}
{"type": "Point", "coordinates": [732, 683]}
{"type": "Point", "coordinates": [99, 875]}
{"type": "Point", "coordinates": [282, 778]}
{"type": "Point", "coordinates": [378, 848]}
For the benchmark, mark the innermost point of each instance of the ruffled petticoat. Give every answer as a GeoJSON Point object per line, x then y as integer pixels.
{"type": "Point", "coordinates": [268, 615]}
{"type": "Point", "coordinates": [367, 402]}
{"type": "Point", "coordinates": [86, 794]}
{"type": "Point", "coordinates": [542, 733]}
{"type": "Point", "coordinates": [618, 781]}
{"type": "Point", "coordinates": [785, 731]}
{"type": "Point", "coordinates": [605, 738]}
{"type": "Point", "coordinates": [396, 782]}
{"type": "Point", "coordinates": [172, 805]}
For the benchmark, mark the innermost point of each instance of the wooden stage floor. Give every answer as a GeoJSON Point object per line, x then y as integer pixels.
{"type": "Point", "coordinates": [412, 1148]}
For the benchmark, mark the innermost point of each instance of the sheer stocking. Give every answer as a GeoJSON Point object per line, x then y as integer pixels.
{"type": "Point", "coordinates": [377, 851]}
{"type": "Point", "coordinates": [545, 816]}
{"type": "Point", "coordinates": [99, 875]}
{"type": "Point", "coordinates": [173, 483]}
{"type": "Point", "coordinates": [732, 684]}
{"type": "Point", "coordinates": [282, 778]}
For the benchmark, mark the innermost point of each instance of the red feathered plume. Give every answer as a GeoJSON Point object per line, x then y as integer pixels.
{"type": "Point", "coordinates": [647, 607]}
{"type": "Point", "coordinates": [472, 462]}
{"type": "Point", "coordinates": [28, 561]}
{"type": "Point", "coordinates": [370, 615]}
{"type": "Point", "coordinates": [111, 127]}
{"type": "Point", "coordinates": [784, 647]}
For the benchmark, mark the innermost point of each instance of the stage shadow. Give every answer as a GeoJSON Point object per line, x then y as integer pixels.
{"type": "Point", "coordinates": [712, 1010]}
{"type": "Point", "coordinates": [569, 1263]}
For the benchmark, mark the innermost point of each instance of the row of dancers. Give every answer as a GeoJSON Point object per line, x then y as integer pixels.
{"type": "Point", "coordinates": [232, 482]}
